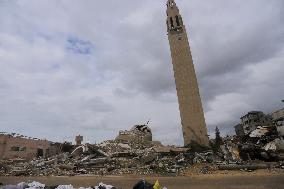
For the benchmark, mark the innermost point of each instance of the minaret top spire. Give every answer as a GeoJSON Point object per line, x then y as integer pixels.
{"type": "Point", "coordinates": [174, 19]}
{"type": "Point", "coordinates": [172, 7]}
{"type": "Point", "coordinates": [171, 3]}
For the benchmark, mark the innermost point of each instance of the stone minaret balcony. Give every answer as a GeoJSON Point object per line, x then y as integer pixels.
{"type": "Point", "coordinates": [174, 19]}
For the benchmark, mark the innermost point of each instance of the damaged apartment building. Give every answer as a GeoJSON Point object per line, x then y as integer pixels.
{"type": "Point", "coordinates": [15, 146]}
{"type": "Point", "coordinates": [138, 133]}
{"type": "Point", "coordinates": [261, 136]}
{"type": "Point", "coordinates": [251, 121]}
{"type": "Point", "coordinates": [278, 119]}
{"type": "Point", "coordinates": [254, 119]}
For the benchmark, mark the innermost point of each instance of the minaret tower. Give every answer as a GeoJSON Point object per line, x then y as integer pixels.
{"type": "Point", "coordinates": [190, 106]}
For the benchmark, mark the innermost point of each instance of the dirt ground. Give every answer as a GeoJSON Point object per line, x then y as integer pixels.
{"type": "Point", "coordinates": [220, 180]}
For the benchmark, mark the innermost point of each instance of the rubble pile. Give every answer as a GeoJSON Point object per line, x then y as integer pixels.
{"type": "Point", "coordinates": [145, 157]}
{"type": "Point", "coordinates": [262, 148]}
{"type": "Point", "coordinates": [116, 158]}
{"type": "Point", "coordinates": [263, 143]}
{"type": "Point", "coordinates": [107, 158]}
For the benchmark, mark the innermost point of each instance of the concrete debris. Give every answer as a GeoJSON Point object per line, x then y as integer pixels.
{"type": "Point", "coordinates": [263, 143]}
{"type": "Point", "coordinates": [125, 155]}
{"type": "Point", "coordinates": [259, 132]}
{"type": "Point", "coordinates": [244, 167]}
{"type": "Point", "coordinates": [79, 150]}
{"type": "Point", "coordinates": [107, 158]}
{"type": "Point", "coordinates": [271, 146]}
{"type": "Point", "coordinates": [231, 152]}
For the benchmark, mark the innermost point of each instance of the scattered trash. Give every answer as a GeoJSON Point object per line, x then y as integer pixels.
{"type": "Point", "coordinates": [65, 187]}
{"type": "Point", "coordinates": [35, 185]}
{"type": "Point", "coordinates": [104, 186]}
{"type": "Point", "coordinates": [143, 185]}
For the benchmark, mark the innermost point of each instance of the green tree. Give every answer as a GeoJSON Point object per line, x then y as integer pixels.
{"type": "Point", "coordinates": [218, 140]}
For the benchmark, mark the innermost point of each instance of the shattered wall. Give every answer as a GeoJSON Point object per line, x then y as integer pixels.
{"type": "Point", "coordinates": [139, 133]}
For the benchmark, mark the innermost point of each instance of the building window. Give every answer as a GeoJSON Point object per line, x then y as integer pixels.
{"type": "Point", "coordinates": [18, 149]}
{"type": "Point", "coordinates": [177, 21]}
{"type": "Point", "coordinates": [23, 149]}
{"type": "Point", "coordinates": [172, 22]}
{"type": "Point", "coordinates": [168, 25]}
{"type": "Point", "coordinates": [15, 148]}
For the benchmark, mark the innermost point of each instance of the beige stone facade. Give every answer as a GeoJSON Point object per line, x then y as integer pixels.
{"type": "Point", "coordinates": [17, 146]}
{"type": "Point", "coordinates": [253, 119]}
{"type": "Point", "coordinates": [191, 111]}
{"type": "Point", "coordinates": [139, 133]}
{"type": "Point", "coordinates": [278, 118]}
{"type": "Point", "coordinates": [278, 115]}
{"type": "Point", "coordinates": [79, 140]}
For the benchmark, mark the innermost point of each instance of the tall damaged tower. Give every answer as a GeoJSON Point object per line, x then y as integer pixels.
{"type": "Point", "coordinates": [190, 106]}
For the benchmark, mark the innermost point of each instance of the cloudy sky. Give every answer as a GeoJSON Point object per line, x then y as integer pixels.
{"type": "Point", "coordinates": [95, 67]}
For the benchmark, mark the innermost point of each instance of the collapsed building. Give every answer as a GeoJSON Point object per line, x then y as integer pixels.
{"type": "Point", "coordinates": [139, 133]}
{"type": "Point", "coordinates": [278, 119]}
{"type": "Point", "coordinates": [134, 152]}
{"type": "Point", "coordinates": [251, 121]}
{"type": "Point", "coordinates": [131, 152]}
{"type": "Point", "coordinates": [260, 136]}
{"type": "Point", "coordinates": [254, 119]}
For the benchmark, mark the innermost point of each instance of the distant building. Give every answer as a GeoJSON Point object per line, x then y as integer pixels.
{"type": "Point", "coordinates": [252, 119]}
{"type": "Point", "coordinates": [14, 146]}
{"type": "Point", "coordinates": [79, 140]}
{"type": "Point", "coordinates": [139, 133]}
{"type": "Point", "coordinates": [278, 115]}
{"type": "Point", "coordinates": [278, 119]}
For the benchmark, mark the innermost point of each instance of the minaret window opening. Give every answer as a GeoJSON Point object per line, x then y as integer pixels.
{"type": "Point", "coordinates": [171, 4]}
{"type": "Point", "coordinates": [172, 22]}
{"type": "Point", "coordinates": [177, 21]}
{"type": "Point", "coordinates": [168, 25]}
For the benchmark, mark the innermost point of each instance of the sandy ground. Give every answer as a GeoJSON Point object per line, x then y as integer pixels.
{"type": "Point", "coordinates": [260, 179]}
{"type": "Point", "coordinates": [218, 180]}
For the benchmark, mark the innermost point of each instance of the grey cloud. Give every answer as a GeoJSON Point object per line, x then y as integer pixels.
{"type": "Point", "coordinates": [97, 104]}
{"type": "Point", "coordinates": [127, 77]}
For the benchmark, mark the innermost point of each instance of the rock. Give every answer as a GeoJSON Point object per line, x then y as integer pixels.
{"type": "Point", "coordinates": [149, 158]}
{"type": "Point", "coordinates": [66, 167]}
